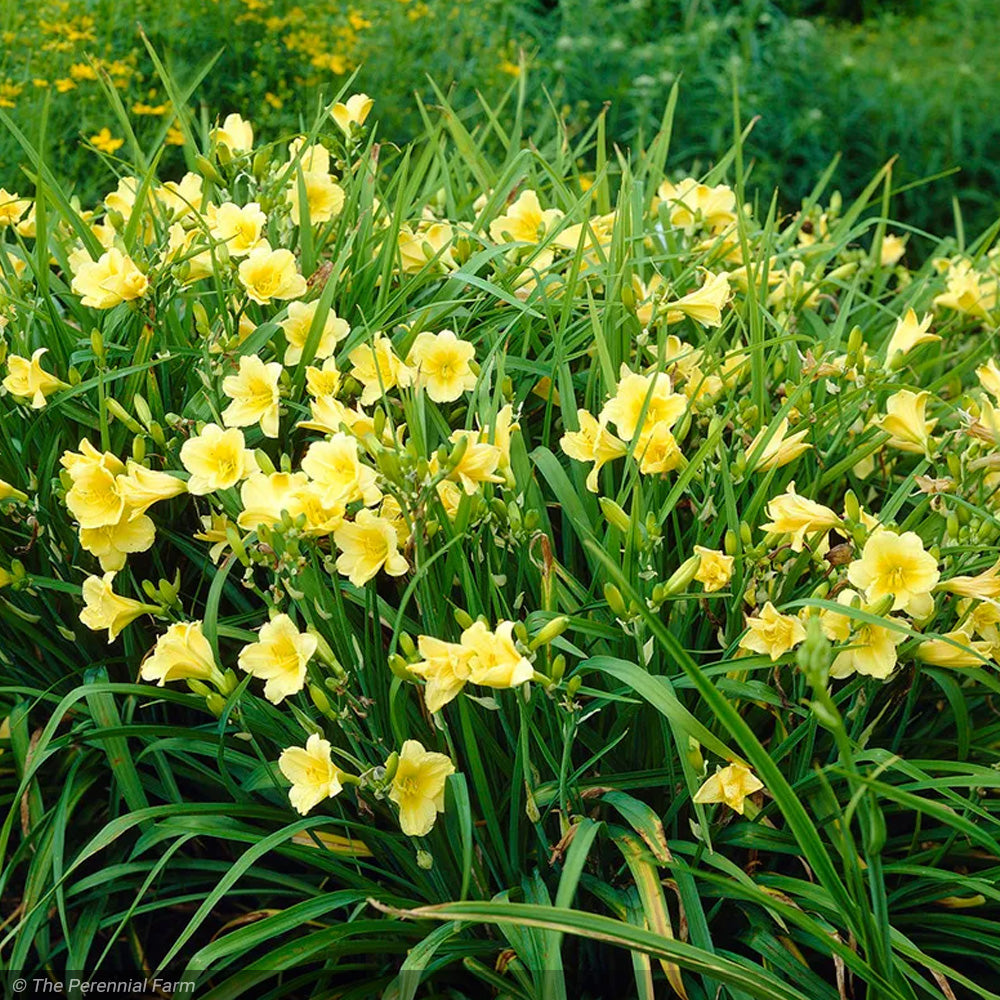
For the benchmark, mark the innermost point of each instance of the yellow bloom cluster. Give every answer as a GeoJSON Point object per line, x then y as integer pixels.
{"type": "Point", "coordinates": [374, 413]}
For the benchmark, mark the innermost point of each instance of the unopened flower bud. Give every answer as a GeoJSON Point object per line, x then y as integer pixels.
{"type": "Point", "coordinates": [615, 600]}
{"type": "Point", "coordinates": [549, 631]}
{"type": "Point", "coordinates": [207, 169]}
{"type": "Point", "coordinates": [682, 576]}
{"type": "Point", "coordinates": [614, 513]}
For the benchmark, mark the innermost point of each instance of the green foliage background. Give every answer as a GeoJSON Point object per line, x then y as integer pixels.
{"type": "Point", "coordinates": [865, 81]}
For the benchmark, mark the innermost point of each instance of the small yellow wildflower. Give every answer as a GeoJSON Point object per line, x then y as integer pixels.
{"type": "Point", "coordinates": [105, 141]}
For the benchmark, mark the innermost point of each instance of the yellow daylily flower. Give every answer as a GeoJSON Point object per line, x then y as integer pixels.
{"type": "Point", "coordinates": [217, 459]}
{"type": "Point", "coordinates": [525, 221]}
{"type": "Point", "coordinates": [334, 465]}
{"type": "Point", "coordinates": [781, 447]}
{"type": "Point", "coordinates": [905, 422]}
{"type": "Point", "coordinates": [28, 380]}
{"type": "Point", "coordinates": [368, 545]}
{"type": "Point", "coordinates": [238, 227]}
{"type": "Point", "coordinates": [715, 569]}
{"type": "Point", "coordinates": [797, 517]}
{"type": "Point", "coordinates": [311, 771]}
{"type": "Point", "coordinates": [441, 364]}
{"type": "Point", "coordinates": [111, 279]}
{"type": "Point", "coordinates": [351, 112]}
{"type": "Point", "coordinates": [731, 785]}
{"type": "Point", "coordinates": [772, 633]}
{"type": "Point", "coordinates": [297, 326]}
{"type": "Point", "coordinates": [271, 274]}
{"type": "Point", "coordinates": [496, 661]}
{"type": "Point", "coordinates": [279, 657]}
{"type": "Point", "coordinates": [898, 565]}
{"type": "Point", "coordinates": [445, 667]}
{"type": "Point", "coordinates": [418, 787]}
{"type": "Point", "coordinates": [635, 393]}
{"type": "Point", "coordinates": [908, 333]}
{"type": "Point", "coordinates": [378, 369]}
{"type": "Point", "coordinates": [235, 134]}
{"type": "Point", "coordinates": [593, 442]}
{"type": "Point", "coordinates": [181, 653]}
{"type": "Point", "coordinates": [104, 609]}
{"type": "Point", "coordinates": [255, 395]}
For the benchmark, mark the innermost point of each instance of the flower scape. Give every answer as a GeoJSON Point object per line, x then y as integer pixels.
{"type": "Point", "coordinates": [444, 551]}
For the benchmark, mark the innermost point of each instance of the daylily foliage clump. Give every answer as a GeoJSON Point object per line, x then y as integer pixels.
{"type": "Point", "coordinates": [585, 515]}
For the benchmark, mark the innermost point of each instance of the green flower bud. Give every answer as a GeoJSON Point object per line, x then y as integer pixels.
{"type": "Point", "coordinates": [457, 452]}
{"type": "Point", "coordinates": [319, 699]}
{"type": "Point", "coordinates": [615, 600]}
{"type": "Point", "coordinates": [208, 170]}
{"type": "Point", "coordinates": [549, 631]}
{"type": "Point", "coordinates": [530, 806]}
{"type": "Point", "coordinates": [694, 756]}
{"type": "Point", "coordinates": [216, 704]}
{"type": "Point", "coordinates": [881, 607]}
{"type": "Point", "coordinates": [851, 506]}
{"type": "Point", "coordinates": [682, 576]}
{"type": "Point", "coordinates": [261, 161]}
{"type": "Point", "coordinates": [614, 513]}
{"type": "Point", "coordinates": [142, 409]}
{"type": "Point", "coordinates": [121, 414]}
{"type": "Point", "coordinates": [558, 667]}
